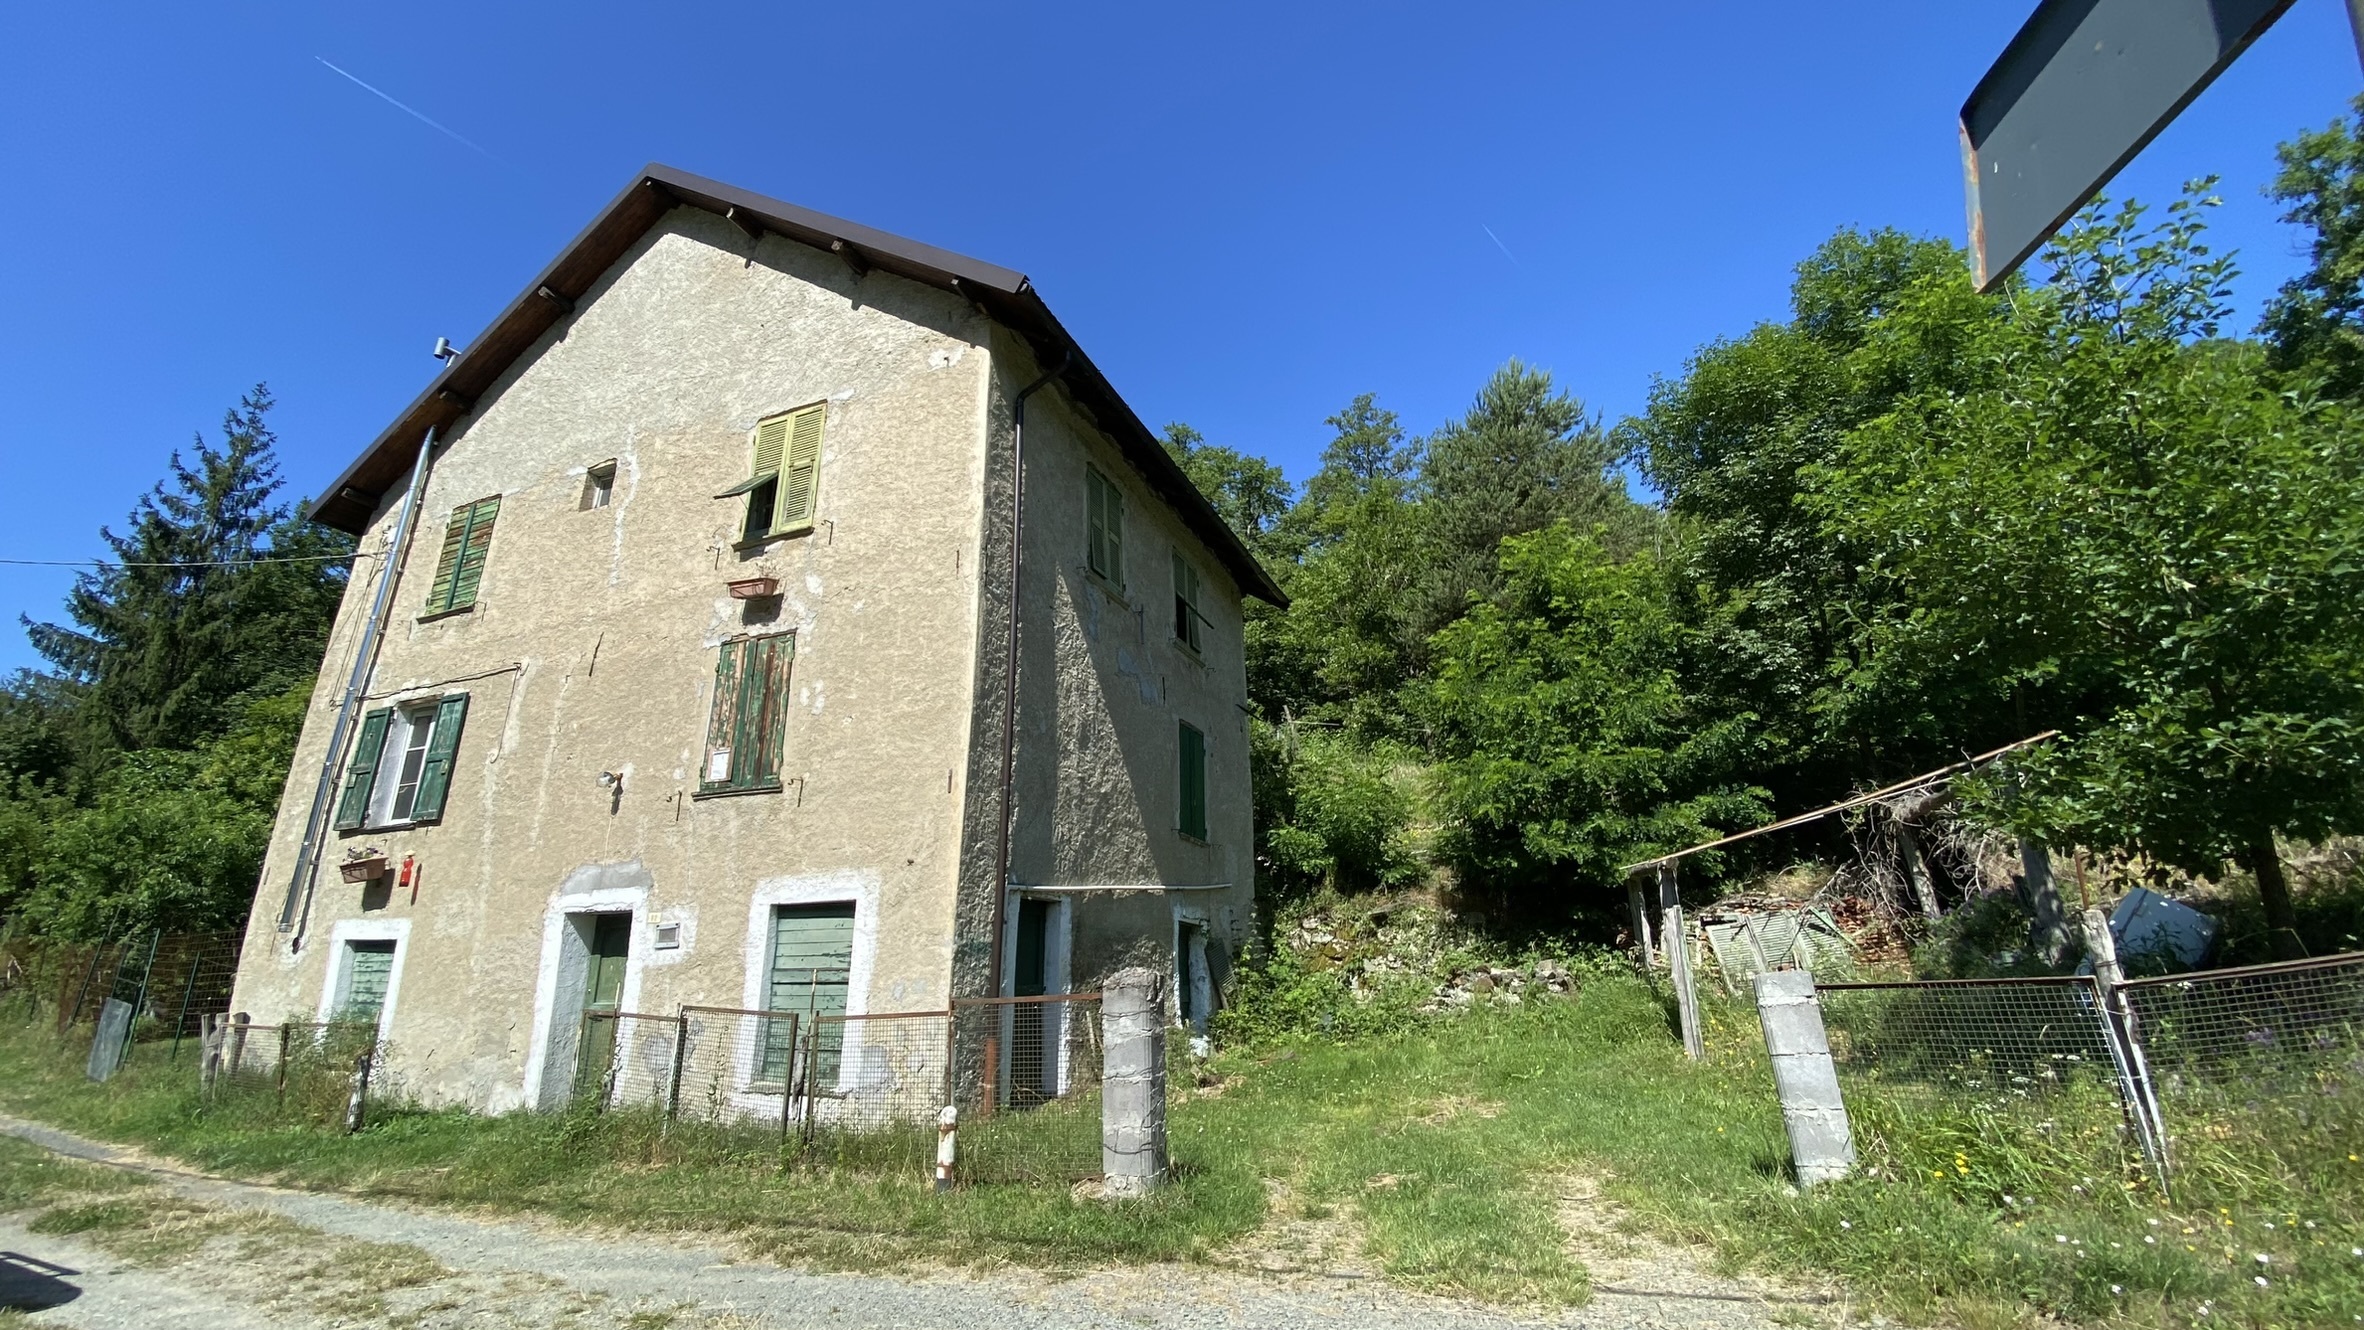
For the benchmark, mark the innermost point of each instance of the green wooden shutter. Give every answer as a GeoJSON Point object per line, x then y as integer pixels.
{"type": "Point", "coordinates": [361, 773]}
{"type": "Point", "coordinates": [471, 570]}
{"type": "Point", "coordinates": [1115, 533]}
{"type": "Point", "coordinates": [447, 563]}
{"type": "Point", "coordinates": [1095, 524]}
{"type": "Point", "coordinates": [749, 717]}
{"type": "Point", "coordinates": [1194, 783]}
{"type": "Point", "coordinates": [442, 747]}
{"type": "Point", "coordinates": [721, 761]}
{"type": "Point", "coordinates": [771, 441]}
{"type": "Point", "coordinates": [800, 472]}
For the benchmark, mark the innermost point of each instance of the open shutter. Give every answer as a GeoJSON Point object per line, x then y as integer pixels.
{"type": "Point", "coordinates": [771, 443]}
{"type": "Point", "coordinates": [1115, 534]}
{"type": "Point", "coordinates": [721, 759]}
{"type": "Point", "coordinates": [442, 747]}
{"type": "Point", "coordinates": [1194, 783]}
{"type": "Point", "coordinates": [361, 773]}
{"type": "Point", "coordinates": [447, 563]}
{"type": "Point", "coordinates": [800, 472]}
{"type": "Point", "coordinates": [478, 542]}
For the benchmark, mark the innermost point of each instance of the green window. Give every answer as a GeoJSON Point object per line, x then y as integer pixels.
{"type": "Point", "coordinates": [369, 969]}
{"type": "Point", "coordinates": [400, 771]}
{"type": "Point", "coordinates": [1194, 782]}
{"type": "Point", "coordinates": [459, 568]}
{"type": "Point", "coordinates": [1186, 616]}
{"type": "Point", "coordinates": [785, 481]}
{"type": "Point", "coordinates": [812, 955]}
{"type": "Point", "coordinates": [1104, 515]}
{"type": "Point", "coordinates": [746, 728]}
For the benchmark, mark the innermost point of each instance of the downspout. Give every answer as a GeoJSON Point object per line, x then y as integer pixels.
{"type": "Point", "coordinates": [1009, 673]}
{"type": "Point", "coordinates": [298, 907]}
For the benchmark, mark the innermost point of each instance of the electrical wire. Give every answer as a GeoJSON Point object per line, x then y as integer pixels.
{"type": "Point", "coordinates": [197, 563]}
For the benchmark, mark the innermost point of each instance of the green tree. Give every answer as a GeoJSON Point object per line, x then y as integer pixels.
{"type": "Point", "coordinates": [1249, 493]}
{"type": "Point", "coordinates": [2130, 529]}
{"type": "Point", "coordinates": [1567, 745]}
{"type": "Point", "coordinates": [2315, 324]}
{"type": "Point", "coordinates": [184, 620]}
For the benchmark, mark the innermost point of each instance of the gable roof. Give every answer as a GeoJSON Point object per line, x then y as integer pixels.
{"type": "Point", "coordinates": [1006, 297]}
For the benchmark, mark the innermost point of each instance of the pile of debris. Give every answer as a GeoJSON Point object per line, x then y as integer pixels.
{"type": "Point", "coordinates": [1493, 983]}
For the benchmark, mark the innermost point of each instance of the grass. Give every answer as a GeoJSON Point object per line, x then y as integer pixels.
{"type": "Point", "coordinates": [1447, 1144]}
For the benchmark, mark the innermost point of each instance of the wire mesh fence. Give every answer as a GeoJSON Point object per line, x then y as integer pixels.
{"type": "Point", "coordinates": [877, 1084]}
{"type": "Point", "coordinates": [2213, 1070]}
{"type": "Point", "coordinates": [731, 1067]}
{"type": "Point", "coordinates": [305, 1071]}
{"type": "Point", "coordinates": [1028, 1087]}
{"type": "Point", "coordinates": [2267, 1057]}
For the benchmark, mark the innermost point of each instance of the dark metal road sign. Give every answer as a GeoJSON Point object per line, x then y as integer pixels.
{"type": "Point", "coordinates": [2076, 94]}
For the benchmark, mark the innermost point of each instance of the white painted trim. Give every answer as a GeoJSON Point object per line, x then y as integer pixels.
{"type": "Point", "coordinates": [1189, 966]}
{"type": "Point", "coordinates": [340, 962]}
{"type": "Point", "coordinates": [606, 900]}
{"type": "Point", "coordinates": [1058, 949]}
{"type": "Point", "coordinates": [857, 885]}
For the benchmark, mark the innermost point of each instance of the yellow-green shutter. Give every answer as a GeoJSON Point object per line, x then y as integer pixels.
{"type": "Point", "coordinates": [771, 438]}
{"type": "Point", "coordinates": [800, 470]}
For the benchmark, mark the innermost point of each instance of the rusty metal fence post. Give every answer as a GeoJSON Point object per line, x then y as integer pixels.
{"type": "Point", "coordinates": [680, 1051]}
{"type": "Point", "coordinates": [279, 1089]}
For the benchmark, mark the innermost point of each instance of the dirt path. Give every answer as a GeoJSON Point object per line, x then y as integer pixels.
{"type": "Point", "coordinates": [196, 1251]}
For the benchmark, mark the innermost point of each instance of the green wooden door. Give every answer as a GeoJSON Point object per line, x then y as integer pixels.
{"type": "Point", "coordinates": [603, 992]}
{"type": "Point", "coordinates": [371, 969]}
{"type": "Point", "coordinates": [812, 951]}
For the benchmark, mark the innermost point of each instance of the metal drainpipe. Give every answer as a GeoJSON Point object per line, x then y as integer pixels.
{"type": "Point", "coordinates": [297, 909]}
{"type": "Point", "coordinates": [1009, 677]}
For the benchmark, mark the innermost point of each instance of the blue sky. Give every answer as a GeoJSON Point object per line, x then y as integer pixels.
{"type": "Point", "coordinates": [1248, 213]}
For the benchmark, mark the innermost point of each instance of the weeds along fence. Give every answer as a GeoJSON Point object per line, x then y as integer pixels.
{"type": "Point", "coordinates": [2195, 1074]}
{"type": "Point", "coordinates": [169, 984]}
{"type": "Point", "coordinates": [322, 1073]}
{"type": "Point", "coordinates": [864, 1093]}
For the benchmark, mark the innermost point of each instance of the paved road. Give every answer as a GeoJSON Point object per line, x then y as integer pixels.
{"type": "Point", "coordinates": [290, 1259]}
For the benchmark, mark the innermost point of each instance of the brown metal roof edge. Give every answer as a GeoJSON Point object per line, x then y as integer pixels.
{"type": "Point", "coordinates": [1000, 293]}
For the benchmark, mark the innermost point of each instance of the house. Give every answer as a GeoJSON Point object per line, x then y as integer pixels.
{"type": "Point", "coordinates": [697, 676]}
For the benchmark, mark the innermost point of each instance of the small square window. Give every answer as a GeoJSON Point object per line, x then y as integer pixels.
{"type": "Point", "coordinates": [599, 487]}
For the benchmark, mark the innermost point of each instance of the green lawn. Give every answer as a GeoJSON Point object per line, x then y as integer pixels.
{"type": "Point", "coordinates": [1445, 1142]}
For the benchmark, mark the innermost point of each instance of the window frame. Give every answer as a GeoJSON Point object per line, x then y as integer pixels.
{"type": "Point", "coordinates": [414, 723]}
{"type": "Point", "coordinates": [1188, 618]}
{"type": "Point", "coordinates": [1104, 528]}
{"type": "Point", "coordinates": [599, 486]}
{"type": "Point", "coordinates": [767, 489]}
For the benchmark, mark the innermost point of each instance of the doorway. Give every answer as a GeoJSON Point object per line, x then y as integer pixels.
{"type": "Point", "coordinates": [603, 991]}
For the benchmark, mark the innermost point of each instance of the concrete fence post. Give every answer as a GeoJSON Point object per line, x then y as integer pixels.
{"type": "Point", "coordinates": [1803, 1075]}
{"type": "Point", "coordinates": [1133, 1082]}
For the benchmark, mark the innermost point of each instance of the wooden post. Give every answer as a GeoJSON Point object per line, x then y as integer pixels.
{"type": "Point", "coordinates": [356, 1102]}
{"type": "Point", "coordinates": [209, 1055]}
{"type": "Point", "coordinates": [991, 1089]}
{"type": "Point", "coordinates": [1673, 936]}
{"type": "Point", "coordinates": [281, 1088]}
{"type": "Point", "coordinates": [680, 1050]}
{"type": "Point", "coordinates": [1641, 922]}
{"type": "Point", "coordinates": [238, 1024]}
{"type": "Point", "coordinates": [1916, 869]}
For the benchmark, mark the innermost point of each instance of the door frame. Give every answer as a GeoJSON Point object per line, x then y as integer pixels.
{"type": "Point", "coordinates": [340, 963]}
{"type": "Point", "coordinates": [558, 988]}
{"type": "Point", "coordinates": [1058, 950]}
{"type": "Point", "coordinates": [861, 887]}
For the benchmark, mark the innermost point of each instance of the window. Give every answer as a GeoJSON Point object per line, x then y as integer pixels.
{"type": "Point", "coordinates": [787, 474]}
{"type": "Point", "coordinates": [1186, 615]}
{"type": "Point", "coordinates": [746, 728]}
{"type": "Point", "coordinates": [369, 970]}
{"type": "Point", "coordinates": [401, 766]}
{"type": "Point", "coordinates": [460, 567]}
{"type": "Point", "coordinates": [1104, 514]}
{"type": "Point", "coordinates": [1194, 782]}
{"type": "Point", "coordinates": [812, 960]}
{"type": "Point", "coordinates": [599, 486]}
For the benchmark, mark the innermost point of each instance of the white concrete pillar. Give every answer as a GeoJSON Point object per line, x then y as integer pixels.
{"type": "Point", "coordinates": [1133, 1082]}
{"type": "Point", "coordinates": [1820, 1144]}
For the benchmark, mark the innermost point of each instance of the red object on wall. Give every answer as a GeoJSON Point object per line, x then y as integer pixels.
{"type": "Point", "coordinates": [410, 878]}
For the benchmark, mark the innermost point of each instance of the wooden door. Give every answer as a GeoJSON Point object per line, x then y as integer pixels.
{"type": "Point", "coordinates": [603, 994]}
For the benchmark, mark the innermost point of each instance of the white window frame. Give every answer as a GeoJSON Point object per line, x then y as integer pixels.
{"type": "Point", "coordinates": [409, 719]}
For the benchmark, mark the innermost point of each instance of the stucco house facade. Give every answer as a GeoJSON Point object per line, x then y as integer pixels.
{"type": "Point", "coordinates": [694, 667]}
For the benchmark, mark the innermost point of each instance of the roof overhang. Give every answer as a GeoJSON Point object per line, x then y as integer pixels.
{"type": "Point", "coordinates": [1002, 295]}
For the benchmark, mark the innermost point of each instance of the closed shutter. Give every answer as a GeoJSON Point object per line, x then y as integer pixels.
{"type": "Point", "coordinates": [459, 566]}
{"type": "Point", "coordinates": [361, 773]}
{"type": "Point", "coordinates": [746, 730]}
{"type": "Point", "coordinates": [1194, 783]}
{"type": "Point", "coordinates": [451, 715]}
{"type": "Point", "coordinates": [1104, 510]}
{"type": "Point", "coordinates": [812, 953]}
{"type": "Point", "coordinates": [1186, 615]}
{"type": "Point", "coordinates": [371, 970]}
{"type": "Point", "coordinates": [800, 472]}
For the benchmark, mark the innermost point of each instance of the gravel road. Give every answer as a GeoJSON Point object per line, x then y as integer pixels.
{"type": "Point", "coordinates": [262, 1258]}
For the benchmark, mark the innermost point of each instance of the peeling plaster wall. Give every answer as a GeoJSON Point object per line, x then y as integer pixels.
{"type": "Point", "coordinates": [592, 647]}
{"type": "Point", "coordinates": [1102, 687]}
